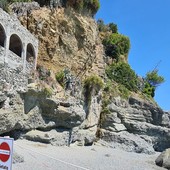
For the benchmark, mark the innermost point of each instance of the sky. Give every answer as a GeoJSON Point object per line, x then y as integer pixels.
{"type": "Point", "coordinates": [147, 24]}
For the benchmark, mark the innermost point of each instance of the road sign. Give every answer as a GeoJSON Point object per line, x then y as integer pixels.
{"type": "Point", "coordinates": [6, 151]}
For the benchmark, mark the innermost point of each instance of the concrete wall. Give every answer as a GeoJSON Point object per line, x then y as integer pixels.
{"type": "Point", "coordinates": [11, 27]}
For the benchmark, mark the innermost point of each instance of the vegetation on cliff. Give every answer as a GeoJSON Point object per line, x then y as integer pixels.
{"type": "Point", "coordinates": [117, 47]}
{"type": "Point", "coordinates": [83, 6]}
{"type": "Point", "coordinates": [152, 81]}
{"type": "Point", "coordinates": [123, 74]}
{"type": "Point", "coordinates": [4, 3]}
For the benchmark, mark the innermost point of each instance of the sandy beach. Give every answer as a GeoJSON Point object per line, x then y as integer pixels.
{"type": "Point", "coordinates": [38, 156]}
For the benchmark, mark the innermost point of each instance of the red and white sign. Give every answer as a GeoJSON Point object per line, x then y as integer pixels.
{"type": "Point", "coordinates": [6, 151]}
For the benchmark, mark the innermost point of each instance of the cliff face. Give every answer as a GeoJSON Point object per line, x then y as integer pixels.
{"type": "Point", "coordinates": [66, 40]}
{"type": "Point", "coordinates": [135, 125]}
{"type": "Point", "coordinates": [70, 40]}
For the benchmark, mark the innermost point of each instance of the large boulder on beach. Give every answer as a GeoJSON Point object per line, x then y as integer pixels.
{"type": "Point", "coordinates": [163, 159]}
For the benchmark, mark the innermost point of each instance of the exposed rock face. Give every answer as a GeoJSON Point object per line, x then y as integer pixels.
{"type": "Point", "coordinates": [56, 118]}
{"type": "Point", "coordinates": [127, 141]}
{"type": "Point", "coordinates": [137, 122]}
{"type": "Point", "coordinates": [66, 40]}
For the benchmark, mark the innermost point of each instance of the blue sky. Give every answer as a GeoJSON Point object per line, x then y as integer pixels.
{"type": "Point", "coordinates": [147, 24]}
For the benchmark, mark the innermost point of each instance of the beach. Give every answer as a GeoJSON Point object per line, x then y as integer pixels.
{"type": "Point", "coordinates": [38, 156]}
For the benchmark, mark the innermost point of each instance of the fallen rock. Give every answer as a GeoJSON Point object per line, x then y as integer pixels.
{"type": "Point", "coordinates": [163, 159]}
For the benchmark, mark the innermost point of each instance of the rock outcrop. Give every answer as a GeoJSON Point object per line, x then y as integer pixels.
{"type": "Point", "coordinates": [163, 159]}
{"type": "Point", "coordinates": [138, 124]}
{"type": "Point", "coordinates": [66, 40]}
{"type": "Point", "coordinates": [54, 118]}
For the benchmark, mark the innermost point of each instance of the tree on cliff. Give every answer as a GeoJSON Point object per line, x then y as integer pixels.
{"type": "Point", "coordinates": [152, 81]}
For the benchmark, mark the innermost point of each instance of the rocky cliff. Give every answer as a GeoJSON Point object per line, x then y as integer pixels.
{"type": "Point", "coordinates": [66, 40]}
{"type": "Point", "coordinates": [45, 111]}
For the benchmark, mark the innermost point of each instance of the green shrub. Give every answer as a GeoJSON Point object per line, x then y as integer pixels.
{"type": "Point", "coordinates": [47, 92]}
{"type": "Point", "coordinates": [113, 28]}
{"type": "Point", "coordinates": [101, 25]}
{"type": "Point", "coordinates": [154, 79]}
{"type": "Point", "coordinates": [123, 91]}
{"type": "Point", "coordinates": [149, 90]}
{"type": "Point", "coordinates": [116, 45]}
{"type": "Point", "coordinates": [123, 74]}
{"type": "Point", "coordinates": [93, 83]}
{"type": "Point", "coordinates": [4, 4]}
{"type": "Point", "coordinates": [91, 6]}
{"type": "Point", "coordinates": [109, 27]}
{"type": "Point", "coordinates": [60, 78]}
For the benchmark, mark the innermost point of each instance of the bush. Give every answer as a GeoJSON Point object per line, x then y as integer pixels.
{"type": "Point", "coordinates": [113, 28]}
{"type": "Point", "coordinates": [149, 90]}
{"type": "Point", "coordinates": [123, 74]}
{"type": "Point", "coordinates": [47, 92]}
{"type": "Point", "coordinates": [93, 83]}
{"type": "Point", "coordinates": [116, 45]}
{"type": "Point", "coordinates": [104, 28]}
{"type": "Point", "coordinates": [101, 25]}
{"type": "Point", "coordinates": [4, 4]}
{"type": "Point", "coordinates": [91, 6]}
{"type": "Point", "coordinates": [153, 78]}
{"type": "Point", "coordinates": [152, 81]}
{"type": "Point", "coordinates": [124, 92]}
{"type": "Point", "coordinates": [60, 78]}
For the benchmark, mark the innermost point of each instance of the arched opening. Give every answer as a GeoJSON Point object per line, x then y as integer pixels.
{"type": "Point", "coordinates": [15, 45]}
{"type": "Point", "coordinates": [30, 53]}
{"type": "Point", "coordinates": [2, 36]}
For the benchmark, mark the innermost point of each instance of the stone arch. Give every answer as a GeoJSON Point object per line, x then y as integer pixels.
{"type": "Point", "coordinates": [2, 36]}
{"type": "Point", "coordinates": [15, 45]}
{"type": "Point", "coordinates": [30, 56]}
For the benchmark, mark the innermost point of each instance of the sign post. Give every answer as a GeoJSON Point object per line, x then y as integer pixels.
{"type": "Point", "coordinates": [6, 151]}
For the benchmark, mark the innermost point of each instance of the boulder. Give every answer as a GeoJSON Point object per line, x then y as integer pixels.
{"type": "Point", "coordinates": [63, 137]}
{"type": "Point", "coordinates": [163, 159]}
{"type": "Point", "coordinates": [48, 137]}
